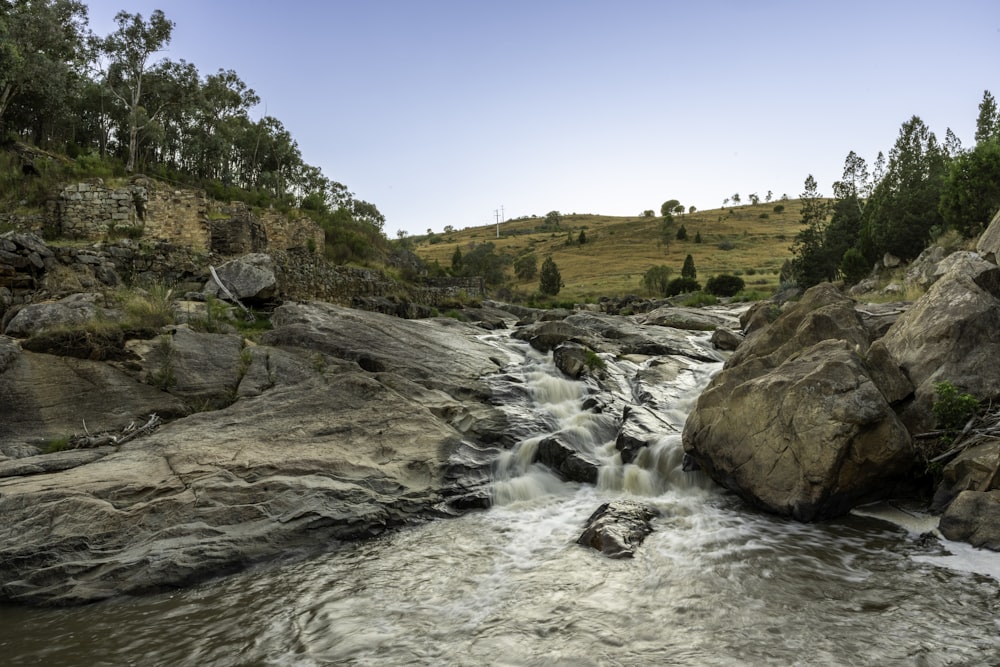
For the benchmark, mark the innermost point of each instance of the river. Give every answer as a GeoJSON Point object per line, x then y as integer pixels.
{"type": "Point", "coordinates": [715, 583]}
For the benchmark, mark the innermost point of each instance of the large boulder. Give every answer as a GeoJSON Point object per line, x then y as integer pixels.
{"type": "Point", "coordinates": [973, 517]}
{"type": "Point", "coordinates": [809, 439]}
{"type": "Point", "coordinates": [694, 319]}
{"type": "Point", "coordinates": [989, 243]}
{"type": "Point", "coordinates": [974, 469]}
{"type": "Point", "coordinates": [800, 422]}
{"type": "Point", "coordinates": [951, 334]}
{"type": "Point", "coordinates": [70, 311]}
{"type": "Point", "coordinates": [250, 277]}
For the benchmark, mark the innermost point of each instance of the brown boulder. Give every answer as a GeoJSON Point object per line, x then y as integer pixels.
{"type": "Point", "coordinates": [809, 439]}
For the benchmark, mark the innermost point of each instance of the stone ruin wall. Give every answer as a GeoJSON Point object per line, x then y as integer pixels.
{"type": "Point", "coordinates": [90, 211]}
{"type": "Point", "coordinates": [144, 209]}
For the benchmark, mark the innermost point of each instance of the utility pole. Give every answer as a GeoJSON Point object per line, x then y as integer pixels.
{"type": "Point", "coordinates": [498, 214]}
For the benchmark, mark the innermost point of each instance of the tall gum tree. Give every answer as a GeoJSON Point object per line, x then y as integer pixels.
{"type": "Point", "coordinates": [129, 50]}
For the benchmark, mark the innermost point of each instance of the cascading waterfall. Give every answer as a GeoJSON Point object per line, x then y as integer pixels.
{"type": "Point", "coordinates": [715, 583]}
{"type": "Point", "coordinates": [560, 404]}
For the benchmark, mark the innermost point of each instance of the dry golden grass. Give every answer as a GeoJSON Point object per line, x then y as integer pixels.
{"type": "Point", "coordinates": [619, 250]}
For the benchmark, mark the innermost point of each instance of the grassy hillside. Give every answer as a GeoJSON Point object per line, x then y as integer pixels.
{"type": "Point", "coordinates": [619, 250]}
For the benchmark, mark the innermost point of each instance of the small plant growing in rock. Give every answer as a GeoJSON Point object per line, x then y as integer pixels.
{"type": "Point", "coordinates": [953, 410]}
{"type": "Point", "coordinates": [164, 377]}
{"type": "Point", "coordinates": [56, 445]}
{"type": "Point", "coordinates": [594, 362]}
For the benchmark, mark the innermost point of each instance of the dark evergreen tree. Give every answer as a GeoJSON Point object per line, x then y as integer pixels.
{"type": "Point", "coordinates": [811, 263]}
{"type": "Point", "coordinates": [970, 196]}
{"type": "Point", "coordinates": [903, 208]}
{"type": "Point", "coordinates": [688, 270]}
{"type": "Point", "coordinates": [682, 233]}
{"type": "Point", "coordinates": [988, 122]}
{"type": "Point", "coordinates": [549, 279]}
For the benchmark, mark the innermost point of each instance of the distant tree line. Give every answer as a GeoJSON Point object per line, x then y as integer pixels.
{"type": "Point", "coordinates": [898, 205]}
{"type": "Point", "coordinates": [65, 89]}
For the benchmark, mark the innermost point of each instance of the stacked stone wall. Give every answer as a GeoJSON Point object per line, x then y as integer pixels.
{"type": "Point", "coordinates": [151, 210]}
{"type": "Point", "coordinates": [91, 211]}
{"type": "Point", "coordinates": [292, 231]}
{"type": "Point", "coordinates": [178, 216]}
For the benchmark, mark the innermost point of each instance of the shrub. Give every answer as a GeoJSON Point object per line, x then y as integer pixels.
{"type": "Point", "coordinates": [853, 266]}
{"type": "Point", "coordinates": [656, 279]}
{"type": "Point", "coordinates": [726, 245]}
{"type": "Point", "coordinates": [953, 409]}
{"type": "Point", "coordinates": [682, 286]}
{"type": "Point", "coordinates": [779, 208]}
{"type": "Point", "coordinates": [724, 285]}
{"type": "Point", "coordinates": [699, 299]}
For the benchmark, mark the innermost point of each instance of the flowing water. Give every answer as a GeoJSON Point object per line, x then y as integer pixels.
{"type": "Point", "coordinates": [714, 584]}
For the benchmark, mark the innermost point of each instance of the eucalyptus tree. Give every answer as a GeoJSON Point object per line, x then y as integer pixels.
{"type": "Point", "coordinates": [668, 207]}
{"type": "Point", "coordinates": [219, 115]}
{"type": "Point", "coordinates": [43, 55]}
{"type": "Point", "coordinates": [844, 228]}
{"type": "Point", "coordinates": [129, 50]}
{"type": "Point", "coordinates": [173, 89]}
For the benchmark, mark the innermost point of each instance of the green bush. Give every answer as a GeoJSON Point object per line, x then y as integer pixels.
{"type": "Point", "coordinates": [953, 410]}
{"type": "Point", "coordinates": [657, 279]}
{"type": "Point", "coordinates": [682, 286]}
{"type": "Point", "coordinates": [724, 285]}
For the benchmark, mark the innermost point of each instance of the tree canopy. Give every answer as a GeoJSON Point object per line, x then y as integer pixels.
{"type": "Point", "coordinates": [899, 204]}
{"type": "Point", "coordinates": [115, 97]}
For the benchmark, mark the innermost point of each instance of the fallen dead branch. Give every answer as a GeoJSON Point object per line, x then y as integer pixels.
{"type": "Point", "coordinates": [130, 432]}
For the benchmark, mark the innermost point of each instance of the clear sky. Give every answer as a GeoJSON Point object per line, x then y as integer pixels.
{"type": "Point", "coordinates": [439, 112]}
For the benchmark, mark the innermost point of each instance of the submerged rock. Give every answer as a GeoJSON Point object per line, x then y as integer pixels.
{"type": "Point", "coordinates": [617, 528]}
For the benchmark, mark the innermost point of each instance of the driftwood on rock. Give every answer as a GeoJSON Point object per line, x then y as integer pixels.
{"type": "Point", "coordinates": [247, 314]}
{"type": "Point", "coordinates": [130, 432]}
{"type": "Point", "coordinates": [989, 426]}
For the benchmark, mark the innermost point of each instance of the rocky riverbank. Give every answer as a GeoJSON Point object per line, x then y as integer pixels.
{"type": "Point", "coordinates": [338, 424]}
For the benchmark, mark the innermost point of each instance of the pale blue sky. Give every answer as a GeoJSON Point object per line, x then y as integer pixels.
{"type": "Point", "coordinates": [441, 111]}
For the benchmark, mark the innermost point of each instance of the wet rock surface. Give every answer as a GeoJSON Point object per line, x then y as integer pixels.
{"type": "Point", "coordinates": [617, 528]}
